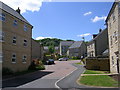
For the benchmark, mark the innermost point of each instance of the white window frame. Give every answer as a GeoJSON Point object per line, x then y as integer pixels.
{"type": "Point", "coordinates": [15, 23]}
{"type": "Point", "coordinates": [24, 60]}
{"type": "Point", "coordinates": [1, 57]}
{"type": "Point", "coordinates": [25, 28]}
{"type": "Point", "coordinates": [14, 39]}
{"type": "Point", "coordinates": [1, 36]}
{"type": "Point", "coordinates": [14, 57]}
{"type": "Point", "coordinates": [2, 16]}
{"type": "Point", "coordinates": [25, 43]}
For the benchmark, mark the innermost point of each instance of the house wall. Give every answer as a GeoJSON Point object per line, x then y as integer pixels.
{"type": "Point", "coordinates": [91, 50]}
{"type": "Point", "coordinates": [8, 48]}
{"type": "Point", "coordinates": [101, 43]}
{"type": "Point", "coordinates": [113, 45]}
{"type": "Point", "coordinates": [37, 50]}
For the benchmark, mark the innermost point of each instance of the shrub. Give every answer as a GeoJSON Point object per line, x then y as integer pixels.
{"type": "Point", "coordinates": [36, 65]}
{"type": "Point", "coordinates": [7, 71]}
{"type": "Point", "coordinates": [75, 57]}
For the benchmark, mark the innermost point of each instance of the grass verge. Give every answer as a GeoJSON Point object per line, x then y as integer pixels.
{"type": "Point", "coordinates": [80, 63]}
{"type": "Point", "coordinates": [98, 80]}
{"type": "Point", "coordinates": [94, 72]}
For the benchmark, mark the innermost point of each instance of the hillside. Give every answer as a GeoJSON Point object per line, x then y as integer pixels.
{"type": "Point", "coordinates": [51, 42]}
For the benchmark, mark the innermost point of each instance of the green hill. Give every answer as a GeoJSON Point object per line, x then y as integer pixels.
{"type": "Point", "coordinates": [51, 42]}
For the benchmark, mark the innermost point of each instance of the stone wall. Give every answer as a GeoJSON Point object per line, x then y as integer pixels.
{"type": "Point", "coordinates": [98, 64]}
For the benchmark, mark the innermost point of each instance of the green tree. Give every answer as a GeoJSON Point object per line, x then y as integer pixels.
{"type": "Point", "coordinates": [51, 49]}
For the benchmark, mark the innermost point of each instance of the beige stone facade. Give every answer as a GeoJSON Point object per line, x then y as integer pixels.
{"type": "Point", "coordinates": [15, 39]}
{"type": "Point", "coordinates": [113, 24]}
{"type": "Point", "coordinates": [37, 50]}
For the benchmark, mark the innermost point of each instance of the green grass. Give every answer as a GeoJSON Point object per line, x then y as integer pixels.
{"type": "Point", "coordinates": [98, 80]}
{"type": "Point", "coordinates": [93, 72]}
{"type": "Point", "coordinates": [79, 63]}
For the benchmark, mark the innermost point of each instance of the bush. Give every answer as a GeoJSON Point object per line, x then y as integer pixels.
{"type": "Point", "coordinates": [74, 57]}
{"type": "Point", "coordinates": [7, 71]}
{"type": "Point", "coordinates": [36, 65]}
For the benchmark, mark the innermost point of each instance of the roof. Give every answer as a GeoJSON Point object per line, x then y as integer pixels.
{"type": "Point", "coordinates": [76, 44]}
{"type": "Point", "coordinates": [11, 11]}
{"type": "Point", "coordinates": [113, 6]}
{"type": "Point", "coordinates": [66, 43]}
{"type": "Point", "coordinates": [96, 37]}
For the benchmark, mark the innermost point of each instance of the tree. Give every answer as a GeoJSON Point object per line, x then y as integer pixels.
{"type": "Point", "coordinates": [51, 49]}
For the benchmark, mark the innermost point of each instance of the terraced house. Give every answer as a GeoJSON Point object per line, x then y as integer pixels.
{"type": "Point", "coordinates": [15, 39]}
{"type": "Point", "coordinates": [113, 24]}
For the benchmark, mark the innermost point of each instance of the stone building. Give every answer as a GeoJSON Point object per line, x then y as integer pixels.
{"type": "Point", "coordinates": [37, 50]}
{"type": "Point", "coordinates": [113, 25]}
{"type": "Point", "coordinates": [77, 49]}
{"type": "Point", "coordinates": [98, 44]}
{"type": "Point", "coordinates": [15, 39]}
{"type": "Point", "coordinates": [64, 46]}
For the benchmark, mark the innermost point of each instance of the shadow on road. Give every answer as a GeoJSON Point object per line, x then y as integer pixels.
{"type": "Point", "coordinates": [20, 80]}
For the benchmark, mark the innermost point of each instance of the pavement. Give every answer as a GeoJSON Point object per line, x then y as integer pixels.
{"type": "Point", "coordinates": [42, 79]}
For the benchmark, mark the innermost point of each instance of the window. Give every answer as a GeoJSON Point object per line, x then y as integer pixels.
{"type": "Point", "coordinates": [25, 43]}
{"type": "Point", "coordinates": [111, 40]}
{"type": "Point", "coordinates": [15, 23]}
{"type": "Point", "coordinates": [25, 28]}
{"type": "Point", "coordinates": [24, 59]}
{"type": "Point", "coordinates": [14, 58]}
{"type": "Point", "coordinates": [119, 7]}
{"type": "Point", "coordinates": [14, 40]}
{"type": "Point", "coordinates": [1, 36]}
{"type": "Point", "coordinates": [115, 35]}
{"type": "Point", "coordinates": [112, 60]}
{"type": "Point", "coordinates": [113, 16]}
{"type": "Point", "coordinates": [1, 57]}
{"type": "Point", "coordinates": [2, 17]}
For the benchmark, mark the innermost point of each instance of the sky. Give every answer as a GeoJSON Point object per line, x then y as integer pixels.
{"type": "Point", "coordinates": [64, 20]}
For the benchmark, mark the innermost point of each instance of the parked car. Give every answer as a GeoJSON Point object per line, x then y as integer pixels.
{"type": "Point", "coordinates": [63, 59]}
{"type": "Point", "coordinates": [50, 61]}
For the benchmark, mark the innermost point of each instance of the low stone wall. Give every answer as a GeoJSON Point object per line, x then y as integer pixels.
{"type": "Point", "coordinates": [98, 64]}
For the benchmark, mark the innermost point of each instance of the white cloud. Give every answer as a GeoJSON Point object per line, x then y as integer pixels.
{"type": "Point", "coordinates": [39, 38]}
{"type": "Point", "coordinates": [84, 35]}
{"type": "Point", "coordinates": [96, 18]}
{"type": "Point", "coordinates": [88, 13]}
{"type": "Point", "coordinates": [24, 5]}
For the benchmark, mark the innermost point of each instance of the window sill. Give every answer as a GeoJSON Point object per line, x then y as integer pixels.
{"type": "Point", "coordinates": [13, 62]}
{"type": "Point", "coordinates": [24, 62]}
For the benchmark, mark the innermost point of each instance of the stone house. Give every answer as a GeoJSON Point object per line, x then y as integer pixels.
{"type": "Point", "coordinates": [113, 25]}
{"type": "Point", "coordinates": [98, 44]}
{"type": "Point", "coordinates": [77, 49]}
{"type": "Point", "coordinates": [37, 50]}
{"type": "Point", "coordinates": [15, 39]}
{"type": "Point", "coordinates": [64, 46]}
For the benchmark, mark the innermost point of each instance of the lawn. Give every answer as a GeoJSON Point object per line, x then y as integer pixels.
{"type": "Point", "coordinates": [80, 63]}
{"type": "Point", "coordinates": [98, 80]}
{"type": "Point", "coordinates": [94, 72]}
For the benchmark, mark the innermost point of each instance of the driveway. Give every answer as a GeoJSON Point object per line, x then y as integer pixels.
{"type": "Point", "coordinates": [42, 79]}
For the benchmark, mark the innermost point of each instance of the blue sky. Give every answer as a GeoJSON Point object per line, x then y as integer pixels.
{"type": "Point", "coordinates": [66, 20]}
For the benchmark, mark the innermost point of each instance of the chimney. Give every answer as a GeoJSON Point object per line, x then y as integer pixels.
{"type": "Point", "coordinates": [100, 30]}
{"type": "Point", "coordinates": [18, 10]}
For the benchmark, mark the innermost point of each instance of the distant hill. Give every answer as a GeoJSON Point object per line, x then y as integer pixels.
{"type": "Point", "coordinates": [51, 42]}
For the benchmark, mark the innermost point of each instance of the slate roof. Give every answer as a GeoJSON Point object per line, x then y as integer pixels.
{"type": "Point", "coordinates": [11, 11]}
{"type": "Point", "coordinates": [92, 41]}
{"type": "Point", "coordinates": [76, 44]}
{"type": "Point", "coordinates": [68, 43]}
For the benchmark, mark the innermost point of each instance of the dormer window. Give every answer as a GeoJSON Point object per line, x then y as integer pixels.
{"type": "Point", "coordinates": [15, 23]}
{"type": "Point", "coordinates": [2, 16]}
{"type": "Point", "coordinates": [25, 28]}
